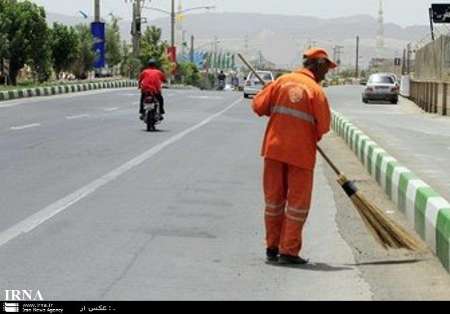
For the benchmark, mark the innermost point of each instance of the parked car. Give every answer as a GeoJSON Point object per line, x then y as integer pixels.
{"type": "Point", "coordinates": [252, 85]}
{"type": "Point", "coordinates": [381, 86]}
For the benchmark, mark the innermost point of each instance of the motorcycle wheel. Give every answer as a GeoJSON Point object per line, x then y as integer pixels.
{"type": "Point", "coordinates": [150, 121]}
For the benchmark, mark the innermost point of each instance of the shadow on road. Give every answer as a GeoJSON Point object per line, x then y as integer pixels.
{"type": "Point", "coordinates": [156, 131]}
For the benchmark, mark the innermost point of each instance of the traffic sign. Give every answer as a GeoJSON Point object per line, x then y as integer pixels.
{"type": "Point", "coordinates": [441, 12]}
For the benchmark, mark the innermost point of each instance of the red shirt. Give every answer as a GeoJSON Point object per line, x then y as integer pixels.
{"type": "Point", "coordinates": [151, 80]}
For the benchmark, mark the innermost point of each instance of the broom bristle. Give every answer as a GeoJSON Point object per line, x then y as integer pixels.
{"type": "Point", "coordinates": [386, 231]}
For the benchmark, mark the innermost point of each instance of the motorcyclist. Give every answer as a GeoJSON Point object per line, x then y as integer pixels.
{"type": "Point", "coordinates": [150, 82]}
{"type": "Point", "coordinates": [221, 78]}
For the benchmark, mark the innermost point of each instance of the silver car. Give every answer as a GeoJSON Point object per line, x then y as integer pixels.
{"type": "Point", "coordinates": [381, 86]}
{"type": "Point", "coordinates": [252, 85]}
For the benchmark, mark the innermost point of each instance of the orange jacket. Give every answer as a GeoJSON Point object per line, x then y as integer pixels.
{"type": "Point", "coordinates": [299, 117]}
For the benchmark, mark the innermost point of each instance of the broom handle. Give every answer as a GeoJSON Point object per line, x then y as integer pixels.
{"type": "Point", "coordinates": [251, 68]}
{"type": "Point", "coordinates": [328, 160]}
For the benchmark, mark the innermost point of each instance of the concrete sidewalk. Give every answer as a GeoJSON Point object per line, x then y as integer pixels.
{"type": "Point", "coordinates": [426, 210]}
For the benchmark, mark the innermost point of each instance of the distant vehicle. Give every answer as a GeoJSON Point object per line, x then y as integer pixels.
{"type": "Point", "coordinates": [381, 86]}
{"type": "Point", "coordinates": [228, 87]}
{"type": "Point", "coordinates": [103, 72]}
{"type": "Point", "coordinates": [252, 85]}
{"type": "Point", "coordinates": [394, 76]}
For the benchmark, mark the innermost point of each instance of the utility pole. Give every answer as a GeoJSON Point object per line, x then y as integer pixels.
{"type": "Point", "coordinates": [216, 42]}
{"type": "Point", "coordinates": [136, 26]}
{"type": "Point", "coordinates": [431, 23]}
{"type": "Point", "coordinates": [404, 62]}
{"type": "Point", "coordinates": [357, 57]}
{"type": "Point", "coordinates": [192, 49]}
{"type": "Point", "coordinates": [408, 59]}
{"type": "Point", "coordinates": [97, 11]}
{"type": "Point", "coordinates": [246, 47]}
{"type": "Point", "coordinates": [337, 50]}
{"type": "Point", "coordinates": [172, 23]}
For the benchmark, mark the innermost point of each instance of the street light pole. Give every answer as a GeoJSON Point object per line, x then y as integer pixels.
{"type": "Point", "coordinates": [357, 57]}
{"type": "Point", "coordinates": [173, 14]}
{"type": "Point", "coordinates": [172, 24]}
{"type": "Point", "coordinates": [191, 54]}
{"type": "Point", "coordinates": [136, 27]}
{"type": "Point", "coordinates": [97, 11]}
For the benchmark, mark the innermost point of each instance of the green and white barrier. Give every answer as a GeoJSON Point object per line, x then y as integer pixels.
{"type": "Point", "coordinates": [426, 210]}
{"type": "Point", "coordinates": [64, 89]}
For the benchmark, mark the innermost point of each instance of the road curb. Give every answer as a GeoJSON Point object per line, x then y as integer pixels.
{"type": "Point", "coordinates": [425, 209]}
{"type": "Point", "coordinates": [64, 89]}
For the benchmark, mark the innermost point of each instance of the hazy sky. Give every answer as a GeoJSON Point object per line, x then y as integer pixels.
{"type": "Point", "coordinates": [403, 12]}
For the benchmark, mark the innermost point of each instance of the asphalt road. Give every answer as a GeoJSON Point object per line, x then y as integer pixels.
{"type": "Point", "coordinates": [420, 141]}
{"type": "Point", "coordinates": [94, 208]}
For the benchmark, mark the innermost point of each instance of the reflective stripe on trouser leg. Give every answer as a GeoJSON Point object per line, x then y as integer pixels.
{"type": "Point", "coordinates": [275, 192]}
{"type": "Point", "coordinates": [300, 183]}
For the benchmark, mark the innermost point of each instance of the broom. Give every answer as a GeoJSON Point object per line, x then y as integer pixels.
{"type": "Point", "coordinates": [385, 231]}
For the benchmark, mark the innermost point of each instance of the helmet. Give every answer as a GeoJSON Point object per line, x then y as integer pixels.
{"type": "Point", "coordinates": [152, 62]}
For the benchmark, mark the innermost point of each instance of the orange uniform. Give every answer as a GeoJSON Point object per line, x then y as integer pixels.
{"type": "Point", "coordinates": [299, 117]}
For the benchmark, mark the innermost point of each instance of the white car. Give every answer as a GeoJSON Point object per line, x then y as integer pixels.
{"type": "Point", "coordinates": [252, 85]}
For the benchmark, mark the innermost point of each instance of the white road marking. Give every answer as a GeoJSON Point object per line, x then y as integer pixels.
{"type": "Point", "coordinates": [206, 97]}
{"type": "Point", "coordinates": [50, 211]}
{"type": "Point", "coordinates": [77, 116]}
{"type": "Point", "coordinates": [111, 109]}
{"type": "Point", "coordinates": [8, 105]}
{"type": "Point", "coordinates": [22, 127]}
{"type": "Point", "coordinates": [44, 99]}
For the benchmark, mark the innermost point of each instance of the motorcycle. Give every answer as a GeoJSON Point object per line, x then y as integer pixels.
{"type": "Point", "coordinates": [221, 85]}
{"type": "Point", "coordinates": [152, 115]}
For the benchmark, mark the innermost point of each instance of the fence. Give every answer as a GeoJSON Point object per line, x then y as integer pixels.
{"type": "Point", "coordinates": [431, 96]}
{"type": "Point", "coordinates": [429, 88]}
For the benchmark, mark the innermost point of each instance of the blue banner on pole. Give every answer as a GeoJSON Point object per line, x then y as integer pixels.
{"type": "Point", "coordinates": [98, 32]}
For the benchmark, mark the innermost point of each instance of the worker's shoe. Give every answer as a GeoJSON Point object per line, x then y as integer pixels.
{"type": "Point", "coordinates": [272, 255]}
{"type": "Point", "coordinates": [292, 260]}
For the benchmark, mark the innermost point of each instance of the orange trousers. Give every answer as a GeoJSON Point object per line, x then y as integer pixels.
{"type": "Point", "coordinates": [287, 191]}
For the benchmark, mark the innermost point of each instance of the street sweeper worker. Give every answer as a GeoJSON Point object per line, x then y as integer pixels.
{"type": "Point", "coordinates": [299, 115]}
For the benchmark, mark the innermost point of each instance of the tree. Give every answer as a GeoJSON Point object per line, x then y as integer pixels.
{"type": "Point", "coordinates": [130, 65]}
{"type": "Point", "coordinates": [188, 73]}
{"type": "Point", "coordinates": [113, 43]}
{"type": "Point", "coordinates": [84, 61]}
{"type": "Point", "coordinates": [4, 25]}
{"type": "Point", "coordinates": [27, 34]}
{"type": "Point", "coordinates": [153, 48]}
{"type": "Point", "coordinates": [64, 42]}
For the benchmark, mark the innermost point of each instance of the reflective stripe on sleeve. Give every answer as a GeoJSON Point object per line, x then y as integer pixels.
{"type": "Point", "coordinates": [294, 113]}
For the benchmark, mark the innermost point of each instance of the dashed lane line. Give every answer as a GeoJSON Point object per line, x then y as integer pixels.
{"type": "Point", "coordinates": [22, 127]}
{"type": "Point", "coordinates": [79, 116]}
{"type": "Point", "coordinates": [50, 211]}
